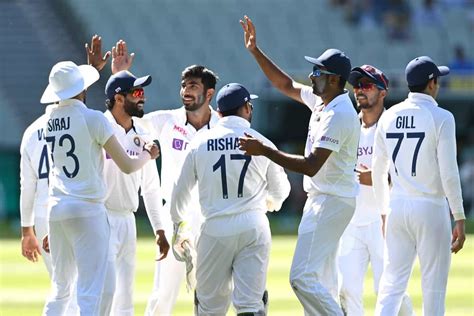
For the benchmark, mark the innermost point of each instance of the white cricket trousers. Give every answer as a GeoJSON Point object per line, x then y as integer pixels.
{"type": "Point", "coordinates": [313, 274]}
{"type": "Point", "coordinates": [416, 227]}
{"type": "Point", "coordinates": [117, 296]}
{"type": "Point", "coordinates": [232, 260]}
{"type": "Point", "coordinates": [78, 244]}
{"type": "Point", "coordinates": [41, 230]}
{"type": "Point", "coordinates": [361, 244]}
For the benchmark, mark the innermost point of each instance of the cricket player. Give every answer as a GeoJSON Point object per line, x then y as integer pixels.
{"type": "Point", "coordinates": [234, 190]}
{"type": "Point", "coordinates": [328, 165]}
{"type": "Point", "coordinates": [34, 171]}
{"type": "Point", "coordinates": [126, 99]}
{"type": "Point", "coordinates": [362, 241]}
{"type": "Point", "coordinates": [415, 142]}
{"type": "Point", "coordinates": [78, 227]}
{"type": "Point", "coordinates": [175, 129]}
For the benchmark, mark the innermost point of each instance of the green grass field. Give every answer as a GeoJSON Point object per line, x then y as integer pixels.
{"type": "Point", "coordinates": [24, 285]}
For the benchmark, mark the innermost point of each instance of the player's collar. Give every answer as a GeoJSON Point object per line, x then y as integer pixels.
{"type": "Point", "coordinates": [234, 120]}
{"type": "Point", "coordinates": [343, 97]}
{"type": "Point", "coordinates": [71, 102]}
{"type": "Point", "coordinates": [212, 121]}
{"type": "Point", "coordinates": [416, 97]}
{"type": "Point", "coordinates": [112, 120]}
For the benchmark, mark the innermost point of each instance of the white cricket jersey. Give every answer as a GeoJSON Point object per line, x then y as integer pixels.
{"type": "Point", "coordinates": [75, 136]}
{"type": "Point", "coordinates": [229, 182]}
{"type": "Point", "coordinates": [416, 141]}
{"type": "Point", "coordinates": [122, 189]}
{"type": "Point", "coordinates": [34, 170]}
{"type": "Point", "coordinates": [174, 133]}
{"type": "Point", "coordinates": [366, 211]}
{"type": "Point", "coordinates": [336, 127]}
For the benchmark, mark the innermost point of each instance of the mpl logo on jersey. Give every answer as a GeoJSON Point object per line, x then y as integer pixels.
{"type": "Point", "coordinates": [179, 144]}
{"type": "Point", "coordinates": [179, 129]}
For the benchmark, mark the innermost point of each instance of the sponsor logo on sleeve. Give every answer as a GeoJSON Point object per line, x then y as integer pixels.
{"type": "Point", "coordinates": [329, 139]}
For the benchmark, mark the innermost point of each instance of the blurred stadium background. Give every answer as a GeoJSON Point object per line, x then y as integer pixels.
{"type": "Point", "coordinates": [168, 35]}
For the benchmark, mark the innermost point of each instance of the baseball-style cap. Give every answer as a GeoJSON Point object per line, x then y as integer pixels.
{"type": "Point", "coordinates": [334, 61]}
{"type": "Point", "coordinates": [376, 75]}
{"type": "Point", "coordinates": [422, 69]}
{"type": "Point", "coordinates": [66, 80]}
{"type": "Point", "coordinates": [124, 81]}
{"type": "Point", "coordinates": [232, 96]}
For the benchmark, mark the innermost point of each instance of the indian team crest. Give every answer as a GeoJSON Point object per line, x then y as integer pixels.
{"type": "Point", "coordinates": [137, 141]}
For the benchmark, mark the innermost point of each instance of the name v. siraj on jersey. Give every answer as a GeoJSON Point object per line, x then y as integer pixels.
{"type": "Point", "coordinates": [58, 124]}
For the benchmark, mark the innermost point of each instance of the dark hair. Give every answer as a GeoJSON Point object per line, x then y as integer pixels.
{"type": "Point", "coordinates": [109, 104]}
{"type": "Point", "coordinates": [421, 87]}
{"type": "Point", "coordinates": [230, 112]}
{"type": "Point", "coordinates": [207, 77]}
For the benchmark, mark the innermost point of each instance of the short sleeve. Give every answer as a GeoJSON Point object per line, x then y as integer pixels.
{"type": "Point", "coordinates": [331, 132]}
{"type": "Point", "coordinates": [102, 130]}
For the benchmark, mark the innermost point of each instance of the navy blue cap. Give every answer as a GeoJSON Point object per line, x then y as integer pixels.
{"type": "Point", "coordinates": [422, 69]}
{"type": "Point", "coordinates": [376, 75]}
{"type": "Point", "coordinates": [232, 96]}
{"type": "Point", "coordinates": [334, 61]}
{"type": "Point", "coordinates": [124, 81]}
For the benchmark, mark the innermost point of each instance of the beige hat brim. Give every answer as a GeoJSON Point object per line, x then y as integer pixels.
{"type": "Point", "coordinates": [89, 74]}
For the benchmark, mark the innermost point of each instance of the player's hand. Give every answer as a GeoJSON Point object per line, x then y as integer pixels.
{"type": "Point", "coordinates": [181, 234]}
{"type": "Point", "coordinates": [121, 59]}
{"type": "Point", "coordinates": [152, 149]}
{"type": "Point", "coordinates": [250, 36]}
{"type": "Point", "coordinates": [162, 243]}
{"type": "Point", "coordinates": [46, 243]}
{"type": "Point", "coordinates": [271, 205]}
{"type": "Point", "coordinates": [94, 53]}
{"type": "Point", "coordinates": [364, 174]}
{"type": "Point", "coordinates": [459, 236]}
{"type": "Point", "coordinates": [251, 145]}
{"type": "Point", "coordinates": [30, 248]}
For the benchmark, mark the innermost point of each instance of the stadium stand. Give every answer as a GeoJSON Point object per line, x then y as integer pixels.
{"type": "Point", "coordinates": [168, 35]}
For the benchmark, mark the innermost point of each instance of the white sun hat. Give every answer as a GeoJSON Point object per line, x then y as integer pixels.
{"type": "Point", "coordinates": [67, 80]}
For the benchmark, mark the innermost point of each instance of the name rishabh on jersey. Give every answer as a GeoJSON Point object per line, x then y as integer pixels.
{"type": "Point", "coordinates": [229, 182]}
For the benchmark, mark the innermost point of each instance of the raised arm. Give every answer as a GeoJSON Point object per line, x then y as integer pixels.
{"type": "Point", "coordinates": [123, 161]}
{"type": "Point", "coordinates": [279, 79]}
{"type": "Point", "coordinates": [121, 59]}
{"type": "Point", "coordinates": [94, 53]}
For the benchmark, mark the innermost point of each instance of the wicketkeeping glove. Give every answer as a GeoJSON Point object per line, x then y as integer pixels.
{"type": "Point", "coordinates": [183, 250]}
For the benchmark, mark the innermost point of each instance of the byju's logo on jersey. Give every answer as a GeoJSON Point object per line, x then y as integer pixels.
{"type": "Point", "coordinates": [364, 151]}
{"type": "Point", "coordinates": [329, 139]}
{"type": "Point", "coordinates": [179, 144]}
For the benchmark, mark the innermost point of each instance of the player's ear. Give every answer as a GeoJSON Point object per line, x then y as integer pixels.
{"type": "Point", "coordinates": [334, 80]}
{"type": "Point", "coordinates": [209, 94]}
{"type": "Point", "coordinates": [119, 97]}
